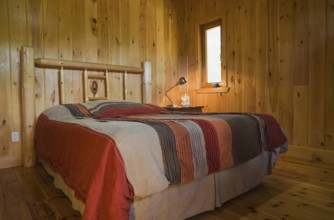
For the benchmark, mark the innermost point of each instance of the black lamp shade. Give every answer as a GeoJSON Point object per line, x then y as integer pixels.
{"type": "Point", "coordinates": [181, 81]}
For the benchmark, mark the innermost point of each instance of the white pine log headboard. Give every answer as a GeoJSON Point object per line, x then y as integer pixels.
{"type": "Point", "coordinates": [28, 99]}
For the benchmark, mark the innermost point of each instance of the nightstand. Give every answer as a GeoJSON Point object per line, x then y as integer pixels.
{"type": "Point", "coordinates": [185, 108]}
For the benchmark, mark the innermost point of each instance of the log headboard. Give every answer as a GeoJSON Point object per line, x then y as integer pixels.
{"type": "Point", "coordinates": [28, 99]}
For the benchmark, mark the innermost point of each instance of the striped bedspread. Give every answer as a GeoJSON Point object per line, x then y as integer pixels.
{"type": "Point", "coordinates": [154, 148]}
{"type": "Point", "coordinates": [194, 145]}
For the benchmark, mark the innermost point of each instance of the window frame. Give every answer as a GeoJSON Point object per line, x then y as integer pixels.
{"type": "Point", "coordinates": [203, 28]}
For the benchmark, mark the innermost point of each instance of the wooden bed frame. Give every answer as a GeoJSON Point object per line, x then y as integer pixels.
{"type": "Point", "coordinates": [28, 99]}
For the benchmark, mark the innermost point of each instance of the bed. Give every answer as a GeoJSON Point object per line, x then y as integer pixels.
{"type": "Point", "coordinates": [129, 160]}
{"type": "Point", "coordinates": [117, 154]}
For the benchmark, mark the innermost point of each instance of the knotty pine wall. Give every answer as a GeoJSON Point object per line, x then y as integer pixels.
{"type": "Point", "coordinates": [119, 32]}
{"type": "Point", "coordinates": [278, 55]}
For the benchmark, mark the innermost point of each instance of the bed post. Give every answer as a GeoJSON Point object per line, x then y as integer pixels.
{"type": "Point", "coordinates": [28, 107]}
{"type": "Point", "coordinates": [147, 83]}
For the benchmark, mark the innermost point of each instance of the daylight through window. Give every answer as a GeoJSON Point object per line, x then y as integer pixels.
{"type": "Point", "coordinates": [211, 53]}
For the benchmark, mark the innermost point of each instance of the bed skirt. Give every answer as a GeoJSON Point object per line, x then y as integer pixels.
{"type": "Point", "coordinates": [185, 200]}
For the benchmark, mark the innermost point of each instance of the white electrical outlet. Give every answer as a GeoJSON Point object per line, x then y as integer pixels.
{"type": "Point", "coordinates": [15, 136]}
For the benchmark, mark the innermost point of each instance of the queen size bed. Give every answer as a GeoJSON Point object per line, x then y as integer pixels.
{"type": "Point", "coordinates": [128, 160]}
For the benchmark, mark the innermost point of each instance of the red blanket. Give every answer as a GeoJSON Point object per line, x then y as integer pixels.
{"type": "Point", "coordinates": [102, 182]}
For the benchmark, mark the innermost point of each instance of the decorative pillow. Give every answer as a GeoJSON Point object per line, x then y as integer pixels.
{"type": "Point", "coordinates": [78, 110]}
{"type": "Point", "coordinates": [120, 109]}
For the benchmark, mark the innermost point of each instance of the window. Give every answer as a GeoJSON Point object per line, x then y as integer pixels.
{"type": "Point", "coordinates": [211, 53]}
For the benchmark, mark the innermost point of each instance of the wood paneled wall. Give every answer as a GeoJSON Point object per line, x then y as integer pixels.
{"type": "Point", "coordinates": [278, 55]}
{"type": "Point", "coordinates": [13, 34]}
{"type": "Point", "coordinates": [125, 32]}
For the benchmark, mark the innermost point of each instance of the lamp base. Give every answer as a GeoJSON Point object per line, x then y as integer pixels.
{"type": "Point", "coordinates": [172, 106]}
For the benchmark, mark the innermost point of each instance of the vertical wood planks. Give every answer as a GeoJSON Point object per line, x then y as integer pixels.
{"type": "Point", "coordinates": [274, 59]}
{"type": "Point", "coordinates": [134, 34]}
{"type": "Point", "coordinates": [181, 36]}
{"type": "Point", "coordinates": [285, 63]}
{"type": "Point", "coordinates": [37, 33]}
{"type": "Point", "coordinates": [18, 37]}
{"type": "Point", "coordinates": [103, 43]}
{"type": "Point", "coordinates": [91, 30]}
{"type": "Point", "coordinates": [286, 71]}
{"type": "Point", "coordinates": [116, 79]}
{"type": "Point", "coordinates": [167, 40]}
{"type": "Point", "coordinates": [124, 11]}
{"type": "Point", "coordinates": [142, 30]}
{"type": "Point", "coordinates": [65, 46]}
{"type": "Point", "coordinates": [133, 58]}
{"type": "Point", "coordinates": [261, 54]}
{"type": "Point", "coordinates": [5, 83]}
{"type": "Point", "coordinates": [160, 50]}
{"type": "Point", "coordinates": [78, 50]}
{"type": "Point", "coordinates": [222, 96]}
{"type": "Point", "coordinates": [103, 18]}
{"type": "Point", "coordinates": [329, 80]}
{"type": "Point", "coordinates": [151, 29]}
{"type": "Point", "coordinates": [250, 76]}
{"type": "Point", "coordinates": [300, 126]}
{"type": "Point", "coordinates": [51, 50]}
{"type": "Point", "coordinates": [286, 43]}
{"type": "Point", "coordinates": [300, 80]}
{"type": "Point", "coordinates": [301, 29]}
{"type": "Point", "coordinates": [115, 34]}
{"type": "Point", "coordinates": [239, 13]}
{"type": "Point", "coordinates": [231, 59]}
{"type": "Point", "coordinates": [317, 52]}
{"type": "Point", "coordinates": [174, 47]}
{"type": "Point", "coordinates": [272, 104]}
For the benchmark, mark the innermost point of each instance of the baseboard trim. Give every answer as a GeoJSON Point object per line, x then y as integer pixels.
{"type": "Point", "coordinates": [10, 161]}
{"type": "Point", "coordinates": [311, 156]}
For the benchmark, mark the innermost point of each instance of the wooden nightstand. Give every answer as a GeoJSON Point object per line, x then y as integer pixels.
{"type": "Point", "coordinates": [185, 108]}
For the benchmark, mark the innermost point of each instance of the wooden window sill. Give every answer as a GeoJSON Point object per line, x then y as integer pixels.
{"type": "Point", "coordinates": [212, 90]}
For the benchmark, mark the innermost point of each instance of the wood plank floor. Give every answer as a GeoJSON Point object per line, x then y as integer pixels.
{"type": "Point", "coordinates": [293, 191]}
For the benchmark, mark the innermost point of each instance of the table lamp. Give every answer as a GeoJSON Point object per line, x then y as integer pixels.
{"type": "Point", "coordinates": [181, 81]}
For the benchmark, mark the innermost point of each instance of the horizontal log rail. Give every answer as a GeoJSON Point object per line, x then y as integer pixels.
{"type": "Point", "coordinates": [77, 65]}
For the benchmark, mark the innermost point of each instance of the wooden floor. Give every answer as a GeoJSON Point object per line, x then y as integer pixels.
{"type": "Point", "coordinates": [293, 191]}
